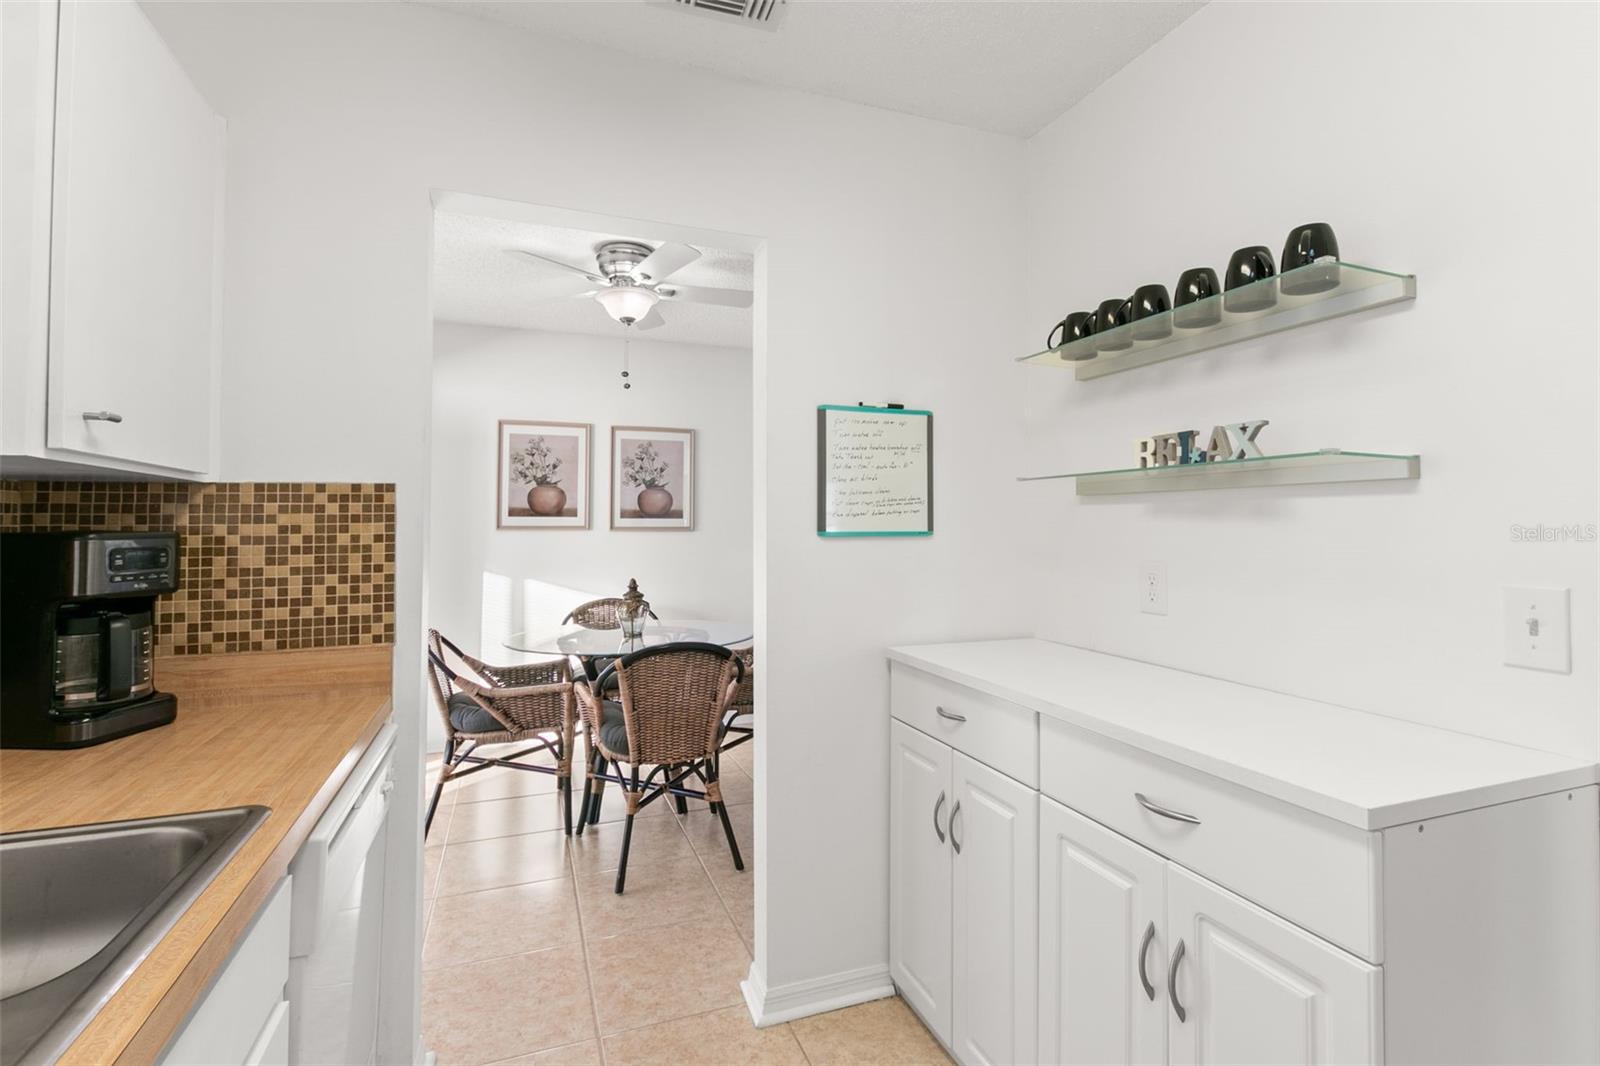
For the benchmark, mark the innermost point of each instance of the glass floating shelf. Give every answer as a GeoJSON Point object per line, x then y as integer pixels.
{"type": "Point", "coordinates": [1295, 468]}
{"type": "Point", "coordinates": [1345, 288]}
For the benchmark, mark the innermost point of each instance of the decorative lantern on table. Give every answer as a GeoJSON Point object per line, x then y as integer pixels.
{"type": "Point", "coordinates": [633, 612]}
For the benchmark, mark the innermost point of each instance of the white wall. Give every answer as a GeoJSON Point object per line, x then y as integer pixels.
{"type": "Point", "coordinates": [483, 374]}
{"type": "Point", "coordinates": [1454, 141]}
{"type": "Point", "coordinates": [343, 117]}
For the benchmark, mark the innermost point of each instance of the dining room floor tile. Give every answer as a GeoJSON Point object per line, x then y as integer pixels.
{"type": "Point", "coordinates": [723, 1036]}
{"type": "Point", "coordinates": [884, 1032]}
{"type": "Point", "coordinates": [497, 922]}
{"type": "Point", "coordinates": [667, 893]}
{"type": "Point", "coordinates": [494, 863]}
{"type": "Point", "coordinates": [467, 1018]}
{"type": "Point", "coordinates": [651, 976]}
{"type": "Point", "coordinates": [666, 972]}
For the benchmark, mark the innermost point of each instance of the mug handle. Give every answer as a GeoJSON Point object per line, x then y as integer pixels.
{"type": "Point", "coordinates": [1061, 327]}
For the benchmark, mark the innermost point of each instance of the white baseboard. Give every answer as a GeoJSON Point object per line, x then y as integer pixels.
{"type": "Point", "coordinates": [773, 1006]}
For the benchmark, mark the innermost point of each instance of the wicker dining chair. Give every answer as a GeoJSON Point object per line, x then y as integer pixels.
{"type": "Point", "coordinates": [667, 714]}
{"type": "Point", "coordinates": [598, 614]}
{"type": "Point", "coordinates": [532, 702]}
{"type": "Point", "coordinates": [739, 723]}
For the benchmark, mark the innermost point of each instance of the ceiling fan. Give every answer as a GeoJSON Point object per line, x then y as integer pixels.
{"type": "Point", "coordinates": [628, 281]}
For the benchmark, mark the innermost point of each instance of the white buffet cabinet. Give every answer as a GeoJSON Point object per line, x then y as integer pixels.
{"type": "Point", "coordinates": [1097, 860]}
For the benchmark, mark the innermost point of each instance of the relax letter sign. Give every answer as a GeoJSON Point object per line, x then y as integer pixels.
{"type": "Point", "coordinates": [1234, 440]}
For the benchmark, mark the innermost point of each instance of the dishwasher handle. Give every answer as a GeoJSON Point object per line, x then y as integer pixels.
{"type": "Point", "coordinates": [337, 848]}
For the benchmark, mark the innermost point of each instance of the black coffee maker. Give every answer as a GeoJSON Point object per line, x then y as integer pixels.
{"type": "Point", "coordinates": [77, 636]}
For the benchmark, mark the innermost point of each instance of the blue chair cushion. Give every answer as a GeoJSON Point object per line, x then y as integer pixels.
{"type": "Point", "coordinates": [468, 716]}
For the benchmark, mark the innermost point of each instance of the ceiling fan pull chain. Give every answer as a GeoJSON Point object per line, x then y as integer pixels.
{"type": "Point", "coordinates": [627, 331]}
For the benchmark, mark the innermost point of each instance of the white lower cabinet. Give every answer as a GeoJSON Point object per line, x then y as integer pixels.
{"type": "Point", "coordinates": [1102, 949]}
{"type": "Point", "coordinates": [243, 1018]}
{"type": "Point", "coordinates": [963, 883]}
{"type": "Point", "coordinates": [919, 875]}
{"type": "Point", "coordinates": [1143, 963]}
{"type": "Point", "coordinates": [1247, 987]}
{"type": "Point", "coordinates": [994, 832]}
{"type": "Point", "coordinates": [1135, 910]}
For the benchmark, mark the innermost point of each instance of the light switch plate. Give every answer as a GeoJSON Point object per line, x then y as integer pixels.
{"type": "Point", "coordinates": [1153, 588]}
{"type": "Point", "coordinates": [1538, 628]}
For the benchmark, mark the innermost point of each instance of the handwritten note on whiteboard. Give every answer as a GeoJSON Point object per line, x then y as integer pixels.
{"type": "Point", "coordinates": [874, 472]}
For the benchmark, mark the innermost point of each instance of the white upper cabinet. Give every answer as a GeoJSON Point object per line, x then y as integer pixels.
{"type": "Point", "coordinates": [1102, 945]}
{"type": "Point", "coordinates": [919, 874]}
{"type": "Point", "coordinates": [1247, 987]}
{"type": "Point", "coordinates": [994, 832]}
{"type": "Point", "coordinates": [123, 212]}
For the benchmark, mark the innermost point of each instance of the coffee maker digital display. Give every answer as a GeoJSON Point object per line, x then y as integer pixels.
{"type": "Point", "coordinates": [77, 610]}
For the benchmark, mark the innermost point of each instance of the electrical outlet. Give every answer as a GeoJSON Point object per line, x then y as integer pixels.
{"type": "Point", "coordinates": [1538, 629]}
{"type": "Point", "coordinates": [1153, 588]}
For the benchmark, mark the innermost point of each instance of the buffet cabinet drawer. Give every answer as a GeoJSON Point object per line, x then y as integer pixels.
{"type": "Point", "coordinates": [1321, 874]}
{"type": "Point", "coordinates": [999, 734]}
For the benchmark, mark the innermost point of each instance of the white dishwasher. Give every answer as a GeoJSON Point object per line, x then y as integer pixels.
{"type": "Point", "coordinates": [336, 919]}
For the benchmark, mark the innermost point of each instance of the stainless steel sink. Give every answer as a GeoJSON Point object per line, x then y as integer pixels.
{"type": "Point", "coordinates": [81, 907]}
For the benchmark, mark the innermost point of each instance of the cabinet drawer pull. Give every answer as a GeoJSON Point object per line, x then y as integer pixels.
{"type": "Point", "coordinates": [1144, 953]}
{"type": "Point", "coordinates": [1172, 983]}
{"type": "Point", "coordinates": [936, 805]}
{"type": "Point", "coordinates": [101, 416]}
{"type": "Point", "coordinates": [949, 715]}
{"type": "Point", "coordinates": [954, 843]}
{"type": "Point", "coordinates": [1165, 812]}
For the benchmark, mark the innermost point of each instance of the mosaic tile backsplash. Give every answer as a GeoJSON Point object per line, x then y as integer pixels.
{"type": "Point", "coordinates": [264, 566]}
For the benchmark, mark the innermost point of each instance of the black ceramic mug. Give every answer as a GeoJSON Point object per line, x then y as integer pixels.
{"type": "Point", "coordinates": [1149, 305]}
{"type": "Point", "coordinates": [1074, 327]}
{"type": "Point", "coordinates": [1113, 313]}
{"type": "Point", "coordinates": [1194, 301]}
{"type": "Point", "coordinates": [1310, 260]}
{"type": "Point", "coordinates": [1247, 283]}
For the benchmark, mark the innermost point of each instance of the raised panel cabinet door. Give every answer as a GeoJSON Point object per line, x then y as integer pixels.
{"type": "Point", "coordinates": [920, 801]}
{"type": "Point", "coordinates": [1248, 987]}
{"type": "Point", "coordinates": [133, 247]}
{"type": "Point", "coordinates": [1102, 946]}
{"type": "Point", "coordinates": [994, 833]}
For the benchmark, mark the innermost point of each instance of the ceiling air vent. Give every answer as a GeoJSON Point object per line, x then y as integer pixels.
{"type": "Point", "coordinates": [764, 13]}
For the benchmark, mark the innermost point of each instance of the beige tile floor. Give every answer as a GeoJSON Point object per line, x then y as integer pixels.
{"type": "Point", "coordinates": [529, 957]}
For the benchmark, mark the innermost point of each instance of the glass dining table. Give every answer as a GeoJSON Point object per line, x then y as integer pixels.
{"type": "Point", "coordinates": [591, 644]}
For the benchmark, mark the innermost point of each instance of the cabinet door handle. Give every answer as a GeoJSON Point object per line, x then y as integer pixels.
{"type": "Point", "coordinates": [949, 715]}
{"type": "Point", "coordinates": [101, 416]}
{"type": "Point", "coordinates": [1165, 812]}
{"type": "Point", "coordinates": [954, 843]}
{"type": "Point", "coordinates": [1172, 982]}
{"type": "Point", "coordinates": [1144, 953]}
{"type": "Point", "coordinates": [936, 805]}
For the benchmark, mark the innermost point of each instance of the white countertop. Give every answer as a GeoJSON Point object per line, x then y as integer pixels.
{"type": "Point", "coordinates": [1359, 768]}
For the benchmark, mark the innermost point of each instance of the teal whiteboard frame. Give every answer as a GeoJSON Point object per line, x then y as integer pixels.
{"type": "Point", "coordinates": [822, 470]}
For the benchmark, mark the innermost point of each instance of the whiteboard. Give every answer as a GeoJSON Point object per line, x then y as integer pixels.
{"type": "Point", "coordinates": [874, 472]}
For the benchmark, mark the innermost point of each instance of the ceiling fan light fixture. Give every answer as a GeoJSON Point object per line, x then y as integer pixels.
{"type": "Point", "coordinates": [627, 303]}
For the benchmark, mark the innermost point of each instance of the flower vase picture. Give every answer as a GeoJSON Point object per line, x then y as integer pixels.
{"type": "Point", "coordinates": [652, 478]}
{"type": "Point", "coordinates": [543, 475]}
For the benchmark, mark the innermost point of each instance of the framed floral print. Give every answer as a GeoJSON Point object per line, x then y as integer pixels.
{"type": "Point", "coordinates": [543, 475]}
{"type": "Point", "coordinates": [652, 478]}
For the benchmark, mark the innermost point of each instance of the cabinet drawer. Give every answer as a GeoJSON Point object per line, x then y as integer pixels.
{"type": "Point", "coordinates": [992, 731]}
{"type": "Point", "coordinates": [1318, 873]}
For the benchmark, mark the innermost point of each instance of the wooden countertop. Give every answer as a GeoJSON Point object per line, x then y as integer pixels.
{"type": "Point", "coordinates": [279, 729]}
{"type": "Point", "coordinates": [1360, 768]}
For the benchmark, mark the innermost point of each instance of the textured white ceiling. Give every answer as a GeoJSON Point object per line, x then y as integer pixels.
{"type": "Point", "coordinates": [476, 282]}
{"type": "Point", "coordinates": [1004, 65]}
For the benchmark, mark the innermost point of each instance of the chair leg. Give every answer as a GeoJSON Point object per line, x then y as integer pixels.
{"type": "Point", "coordinates": [599, 790]}
{"type": "Point", "coordinates": [627, 827]}
{"type": "Point", "coordinates": [589, 755]}
{"type": "Point", "coordinates": [683, 802]}
{"type": "Point", "coordinates": [722, 812]}
{"type": "Point", "coordinates": [438, 789]}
